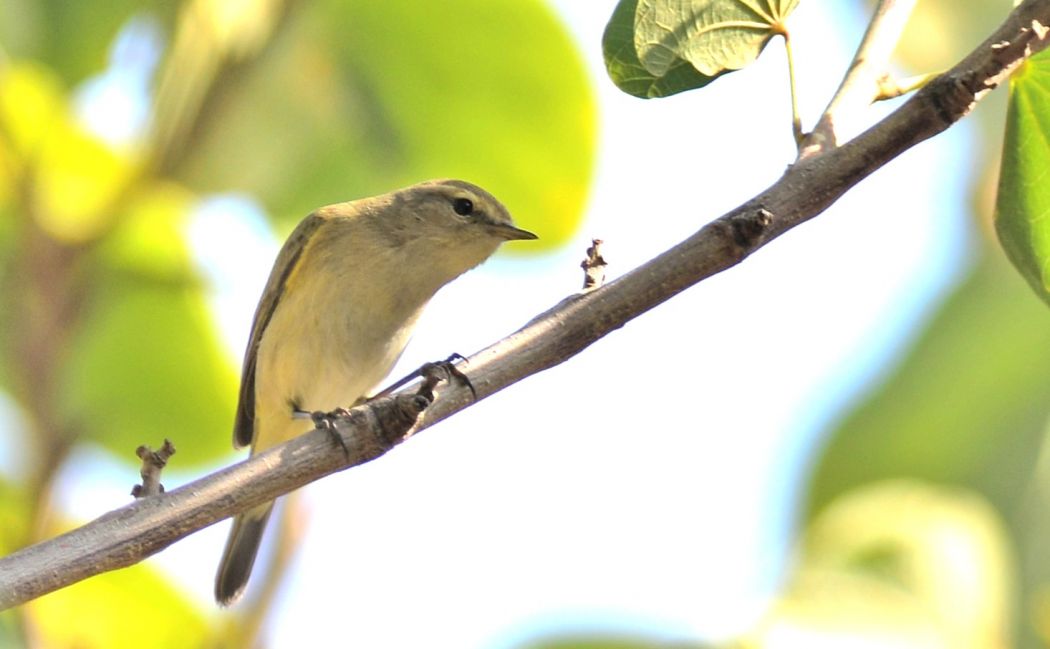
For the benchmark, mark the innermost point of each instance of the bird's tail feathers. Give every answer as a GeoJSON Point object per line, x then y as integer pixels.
{"type": "Point", "coordinates": [239, 555]}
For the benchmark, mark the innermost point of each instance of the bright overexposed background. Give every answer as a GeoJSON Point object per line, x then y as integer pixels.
{"type": "Point", "coordinates": [649, 484]}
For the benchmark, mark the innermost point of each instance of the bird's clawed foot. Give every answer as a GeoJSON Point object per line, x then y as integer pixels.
{"type": "Point", "coordinates": [432, 374]}
{"type": "Point", "coordinates": [326, 421]}
{"type": "Point", "coordinates": [446, 370]}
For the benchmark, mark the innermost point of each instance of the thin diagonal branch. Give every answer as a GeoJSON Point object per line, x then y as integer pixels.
{"type": "Point", "coordinates": [130, 534]}
{"type": "Point", "coordinates": [860, 86]}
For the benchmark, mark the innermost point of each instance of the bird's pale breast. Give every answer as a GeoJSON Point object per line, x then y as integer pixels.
{"type": "Point", "coordinates": [330, 341]}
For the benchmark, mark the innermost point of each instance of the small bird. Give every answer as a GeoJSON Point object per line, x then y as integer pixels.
{"type": "Point", "coordinates": [337, 311]}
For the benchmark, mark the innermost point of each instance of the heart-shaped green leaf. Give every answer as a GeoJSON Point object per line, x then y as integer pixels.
{"type": "Point", "coordinates": [628, 73]}
{"type": "Point", "coordinates": [713, 35]}
{"type": "Point", "coordinates": [655, 48]}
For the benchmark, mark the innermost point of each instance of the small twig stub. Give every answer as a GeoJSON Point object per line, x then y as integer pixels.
{"type": "Point", "coordinates": [593, 266]}
{"type": "Point", "coordinates": [152, 464]}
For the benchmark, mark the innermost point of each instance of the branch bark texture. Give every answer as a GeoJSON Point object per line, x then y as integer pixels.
{"type": "Point", "coordinates": [806, 189]}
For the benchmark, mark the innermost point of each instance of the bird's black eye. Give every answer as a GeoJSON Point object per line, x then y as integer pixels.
{"type": "Point", "coordinates": [463, 206]}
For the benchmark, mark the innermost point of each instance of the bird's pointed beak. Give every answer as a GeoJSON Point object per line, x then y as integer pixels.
{"type": "Point", "coordinates": [509, 232]}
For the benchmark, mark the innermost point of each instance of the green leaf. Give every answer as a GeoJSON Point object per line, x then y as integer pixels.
{"type": "Point", "coordinates": [146, 363]}
{"type": "Point", "coordinates": [628, 73]}
{"type": "Point", "coordinates": [713, 35]}
{"type": "Point", "coordinates": [1022, 210]}
{"type": "Point", "coordinates": [355, 98]}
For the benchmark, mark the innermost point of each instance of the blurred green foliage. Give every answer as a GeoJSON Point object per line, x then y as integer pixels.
{"type": "Point", "coordinates": [899, 563]}
{"type": "Point", "coordinates": [967, 406]}
{"type": "Point", "coordinates": [106, 337]}
{"type": "Point", "coordinates": [965, 412]}
{"type": "Point", "coordinates": [467, 100]}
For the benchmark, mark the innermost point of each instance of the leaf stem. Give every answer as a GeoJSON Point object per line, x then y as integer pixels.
{"type": "Point", "coordinates": [796, 118]}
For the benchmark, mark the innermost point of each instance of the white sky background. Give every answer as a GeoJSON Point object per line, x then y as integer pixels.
{"type": "Point", "coordinates": [649, 483]}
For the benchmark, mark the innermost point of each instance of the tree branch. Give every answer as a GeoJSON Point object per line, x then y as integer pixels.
{"type": "Point", "coordinates": [146, 526]}
{"type": "Point", "coordinates": [861, 86]}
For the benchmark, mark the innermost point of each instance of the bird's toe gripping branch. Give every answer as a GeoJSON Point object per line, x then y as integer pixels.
{"type": "Point", "coordinates": [327, 422]}
{"type": "Point", "coordinates": [391, 416]}
{"type": "Point", "coordinates": [437, 372]}
{"type": "Point", "coordinates": [446, 370]}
